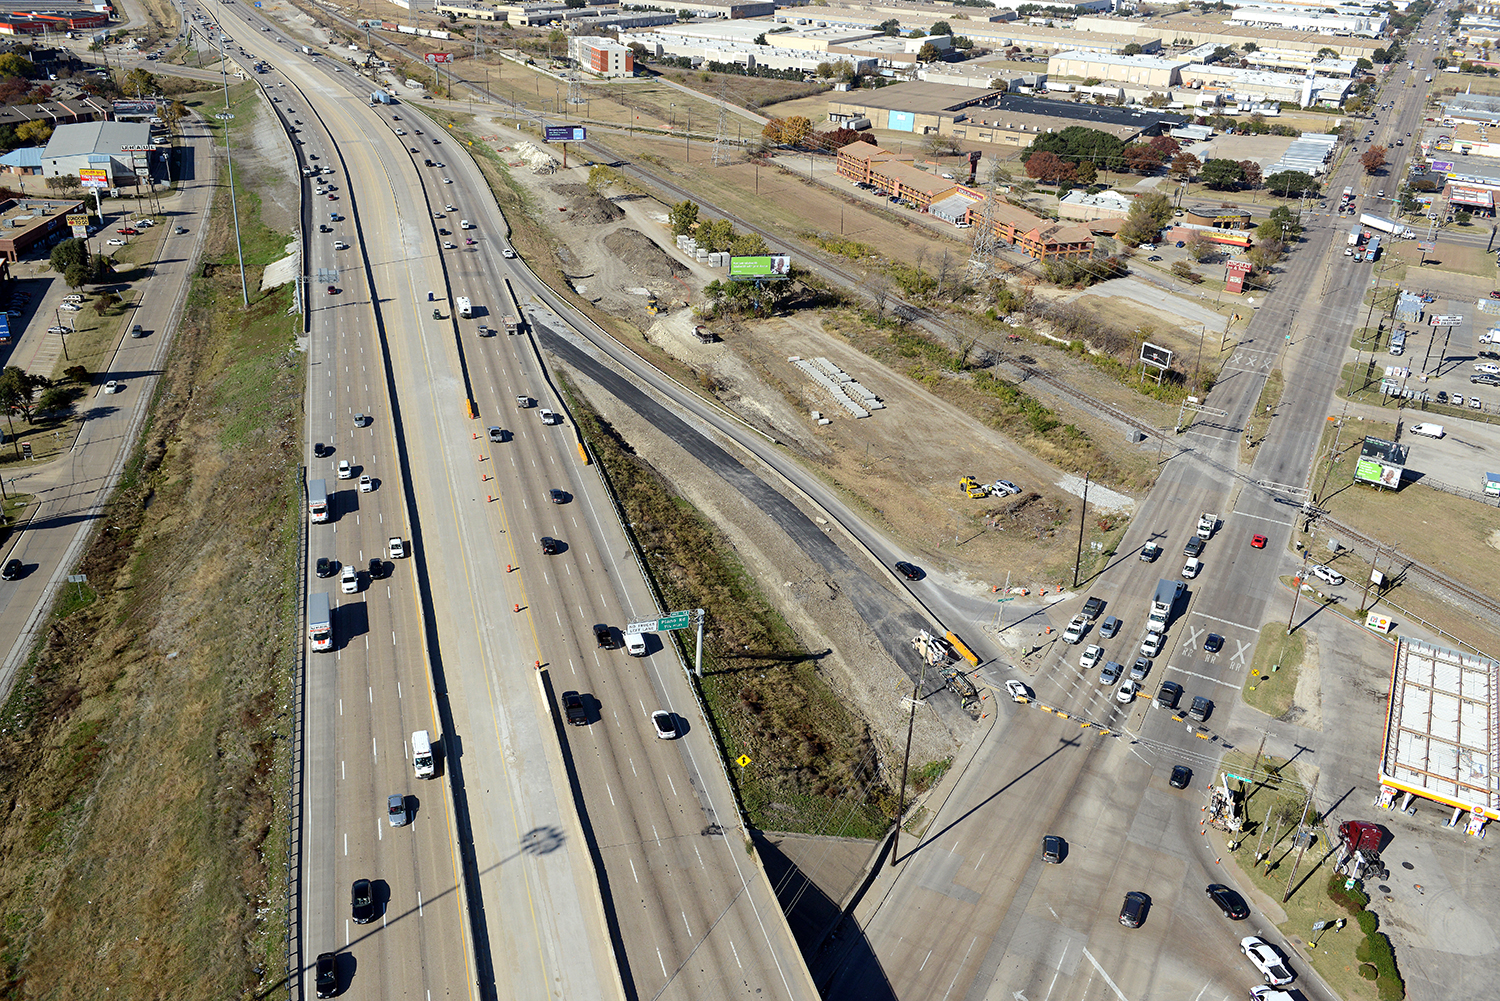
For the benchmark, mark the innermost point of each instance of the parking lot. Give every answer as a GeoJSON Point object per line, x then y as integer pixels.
{"type": "Point", "coordinates": [1453, 369]}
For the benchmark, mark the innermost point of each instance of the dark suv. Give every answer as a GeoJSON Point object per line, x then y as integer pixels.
{"type": "Point", "coordinates": [1133, 911]}
{"type": "Point", "coordinates": [1168, 694]}
{"type": "Point", "coordinates": [575, 709]}
{"type": "Point", "coordinates": [1092, 607]}
{"type": "Point", "coordinates": [604, 636]}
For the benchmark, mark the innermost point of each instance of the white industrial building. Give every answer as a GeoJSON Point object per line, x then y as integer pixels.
{"type": "Point", "coordinates": [1116, 68]}
{"type": "Point", "coordinates": [1310, 154]}
{"type": "Point", "coordinates": [1260, 85]}
{"type": "Point", "coordinates": [1367, 25]}
{"type": "Point", "coordinates": [121, 148]}
{"type": "Point", "coordinates": [750, 56]}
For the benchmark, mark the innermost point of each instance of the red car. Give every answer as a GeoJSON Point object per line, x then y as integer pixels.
{"type": "Point", "coordinates": [127, 231]}
{"type": "Point", "coordinates": [333, 198]}
{"type": "Point", "coordinates": [1493, 295]}
{"type": "Point", "coordinates": [1258, 541]}
{"type": "Point", "coordinates": [334, 291]}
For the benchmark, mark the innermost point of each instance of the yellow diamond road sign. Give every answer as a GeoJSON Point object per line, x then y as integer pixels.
{"type": "Point", "coordinates": [742, 760]}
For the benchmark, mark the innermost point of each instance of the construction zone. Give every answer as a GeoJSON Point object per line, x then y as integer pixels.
{"type": "Point", "coordinates": [943, 655]}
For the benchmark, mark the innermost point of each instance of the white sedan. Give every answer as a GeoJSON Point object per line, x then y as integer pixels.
{"type": "Point", "coordinates": [114, 242]}
{"type": "Point", "coordinates": [71, 307]}
{"type": "Point", "coordinates": [1018, 690]}
{"type": "Point", "coordinates": [1091, 655]}
{"type": "Point", "coordinates": [366, 484]}
{"type": "Point", "coordinates": [346, 471]}
{"type": "Point", "coordinates": [111, 386]}
{"type": "Point", "coordinates": [1128, 691]}
{"type": "Point", "coordinates": [1267, 960]}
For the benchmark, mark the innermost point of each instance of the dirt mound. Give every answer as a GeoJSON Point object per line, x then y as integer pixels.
{"type": "Point", "coordinates": [586, 207]}
{"type": "Point", "coordinates": [641, 254]}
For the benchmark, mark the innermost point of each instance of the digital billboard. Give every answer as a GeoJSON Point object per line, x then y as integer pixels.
{"type": "Point", "coordinates": [1155, 355]}
{"type": "Point", "coordinates": [93, 177]}
{"type": "Point", "coordinates": [566, 134]}
{"type": "Point", "coordinates": [763, 266]}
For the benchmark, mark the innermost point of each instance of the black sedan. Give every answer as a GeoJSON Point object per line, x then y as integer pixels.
{"type": "Point", "coordinates": [12, 570]}
{"type": "Point", "coordinates": [328, 974]}
{"type": "Point", "coordinates": [550, 546]}
{"type": "Point", "coordinates": [327, 567]}
{"type": "Point", "coordinates": [909, 571]}
{"type": "Point", "coordinates": [1231, 903]}
{"type": "Point", "coordinates": [362, 901]}
{"type": "Point", "coordinates": [1181, 776]}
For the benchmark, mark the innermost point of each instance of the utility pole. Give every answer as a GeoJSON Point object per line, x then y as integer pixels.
{"type": "Point", "coordinates": [1260, 843]}
{"type": "Point", "coordinates": [1082, 508]}
{"type": "Point", "coordinates": [911, 723]}
{"type": "Point", "coordinates": [1256, 766]}
{"type": "Point", "coordinates": [1364, 599]}
{"type": "Point", "coordinates": [1302, 840]}
{"type": "Point", "coordinates": [1296, 592]}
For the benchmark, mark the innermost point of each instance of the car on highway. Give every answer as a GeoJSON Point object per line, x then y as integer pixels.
{"type": "Point", "coordinates": [395, 810]}
{"type": "Point", "coordinates": [395, 548]}
{"type": "Point", "coordinates": [604, 637]}
{"type": "Point", "coordinates": [557, 496]}
{"type": "Point", "coordinates": [664, 724]}
{"type": "Point", "coordinates": [1231, 903]}
{"type": "Point", "coordinates": [1493, 295]}
{"type": "Point", "coordinates": [111, 387]}
{"type": "Point", "coordinates": [1053, 849]}
{"type": "Point", "coordinates": [12, 570]}
{"type": "Point", "coordinates": [451, 208]}
{"type": "Point", "coordinates": [496, 434]}
{"type": "Point", "coordinates": [332, 197]}
{"type": "Point", "coordinates": [1181, 774]}
{"type": "Point", "coordinates": [327, 567]}
{"type": "Point", "coordinates": [1091, 656]}
{"type": "Point", "coordinates": [1194, 548]}
{"type": "Point", "coordinates": [1109, 627]}
{"type": "Point", "coordinates": [1154, 257]}
{"type": "Point", "coordinates": [1127, 692]}
{"type": "Point", "coordinates": [1018, 690]}
{"type": "Point", "coordinates": [1140, 669]}
{"type": "Point", "coordinates": [1267, 960]}
{"type": "Point", "coordinates": [449, 245]}
{"type": "Point", "coordinates": [346, 471]}
{"type": "Point", "coordinates": [360, 420]}
{"type": "Point", "coordinates": [327, 978]}
{"type": "Point", "coordinates": [362, 901]}
{"type": "Point", "coordinates": [340, 245]}
{"type": "Point", "coordinates": [377, 568]}
{"type": "Point", "coordinates": [575, 709]}
{"type": "Point", "coordinates": [1111, 672]}
{"type": "Point", "coordinates": [333, 290]}
{"type": "Point", "coordinates": [908, 570]}
{"type": "Point", "coordinates": [1168, 694]}
{"type": "Point", "coordinates": [1257, 542]}
{"type": "Point", "coordinates": [400, 132]}
{"type": "Point", "coordinates": [1133, 911]}
{"type": "Point", "coordinates": [1192, 567]}
{"type": "Point", "coordinates": [550, 546]}
{"type": "Point", "coordinates": [447, 180]}
{"type": "Point", "coordinates": [365, 483]}
{"type": "Point", "coordinates": [507, 252]}
{"type": "Point", "coordinates": [548, 417]}
{"type": "Point", "coordinates": [349, 580]}
{"type": "Point", "coordinates": [1151, 645]}
{"type": "Point", "coordinates": [1213, 644]}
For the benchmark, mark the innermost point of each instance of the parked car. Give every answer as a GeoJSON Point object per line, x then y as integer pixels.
{"type": "Point", "coordinates": [1213, 644]}
{"type": "Point", "coordinates": [1328, 575]}
{"type": "Point", "coordinates": [1168, 694]}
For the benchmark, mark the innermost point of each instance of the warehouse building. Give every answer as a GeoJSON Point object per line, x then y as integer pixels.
{"type": "Point", "coordinates": [1239, 85]}
{"type": "Point", "coordinates": [1367, 25]}
{"type": "Point", "coordinates": [122, 149]}
{"type": "Point", "coordinates": [1115, 68]}
{"type": "Point", "coordinates": [1191, 30]}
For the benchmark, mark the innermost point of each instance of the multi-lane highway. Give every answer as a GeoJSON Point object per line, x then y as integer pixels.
{"type": "Point", "coordinates": [587, 861]}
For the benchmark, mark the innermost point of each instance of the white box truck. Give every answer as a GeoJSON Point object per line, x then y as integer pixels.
{"type": "Point", "coordinates": [465, 307]}
{"type": "Point", "coordinates": [317, 500]}
{"type": "Point", "coordinates": [319, 622]}
{"type": "Point", "coordinates": [421, 754]}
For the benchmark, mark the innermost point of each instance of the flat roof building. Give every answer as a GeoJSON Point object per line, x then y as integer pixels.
{"type": "Point", "coordinates": [1440, 734]}
{"type": "Point", "coordinates": [1175, 29]}
{"type": "Point", "coordinates": [33, 223]}
{"type": "Point", "coordinates": [123, 149]}
{"type": "Point", "coordinates": [1116, 68]}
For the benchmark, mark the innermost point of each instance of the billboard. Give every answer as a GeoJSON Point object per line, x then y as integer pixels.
{"type": "Point", "coordinates": [764, 266]}
{"type": "Point", "coordinates": [439, 57]}
{"type": "Point", "coordinates": [1155, 355]}
{"type": "Point", "coordinates": [93, 177]}
{"type": "Point", "coordinates": [1442, 320]}
{"type": "Point", "coordinates": [133, 108]}
{"type": "Point", "coordinates": [1379, 473]}
{"type": "Point", "coordinates": [566, 133]}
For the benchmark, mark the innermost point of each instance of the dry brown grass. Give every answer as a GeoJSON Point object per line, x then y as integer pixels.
{"type": "Point", "coordinates": [139, 758]}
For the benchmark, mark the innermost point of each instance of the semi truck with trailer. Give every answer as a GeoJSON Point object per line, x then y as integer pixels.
{"type": "Point", "coordinates": [319, 622]}
{"type": "Point", "coordinates": [380, 97]}
{"type": "Point", "coordinates": [1395, 229]}
{"type": "Point", "coordinates": [317, 500]}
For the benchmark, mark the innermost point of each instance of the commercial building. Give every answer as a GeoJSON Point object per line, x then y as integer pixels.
{"type": "Point", "coordinates": [1368, 25]}
{"type": "Point", "coordinates": [1116, 68]}
{"type": "Point", "coordinates": [1187, 29]}
{"type": "Point", "coordinates": [1236, 84]}
{"type": "Point", "coordinates": [55, 113]}
{"type": "Point", "coordinates": [601, 56]}
{"type": "Point", "coordinates": [993, 34]}
{"type": "Point", "coordinates": [728, 9]}
{"type": "Point", "coordinates": [1440, 734]}
{"type": "Point", "coordinates": [990, 73]}
{"type": "Point", "coordinates": [700, 51]}
{"type": "Point", "coordinates": [33, 223]}
{"type": "Point", "coordinates": [1080, 206]}
{"type": "Point", "coordinates": [472, 11]}
{"type": "Point", "coordinates": [122, 149]}
{"type": "Point", "coordinates": [898, 177]}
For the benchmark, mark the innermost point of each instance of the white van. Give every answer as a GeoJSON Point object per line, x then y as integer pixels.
{"type": "Point", "coordinates": [1398, 342]}
{"type": "Point", "coordinates": [635, 644]}
{"type": "Point", "coordinates": [421, 754]}
{"type": "Point", "coordinates": [1428, 430]}
{"type": "Point", "coordinates": [465, 224]}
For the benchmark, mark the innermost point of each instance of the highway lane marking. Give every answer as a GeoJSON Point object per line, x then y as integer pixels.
{"type": "Point", "coordinates": [736, 954]}
{"type": "Point", "coordinates": [419, 903]}
{"type": "Point", "coordinates": [1107, 979]}
{"type": "Point", "coordinates": [924, 961]}
{"type": "Point", "coordinates": [686, 925]}
{"type": "Point", "coordinates": [958, 967]}
{"type": "Point", "coordinates": [632, 870]}
{"type": "Point", "coordinates": [663, 963]}
{"type": "Point", "coordinates": [672, 784]}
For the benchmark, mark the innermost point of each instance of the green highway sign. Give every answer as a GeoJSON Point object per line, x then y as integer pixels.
{"type": "Point", "coordinates": [677, 620]}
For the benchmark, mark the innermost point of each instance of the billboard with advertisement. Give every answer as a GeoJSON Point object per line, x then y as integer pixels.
{"type": "Point", "coordinates": [566, 134]}
{"type": "Point", "coordinates": [439, 57]}
{"type": "Point", "coordinates": [78, 224]}
{"type": "Point", "coordinates": [763, 266]}
{"type": "Point", "coordinates": [93, 177]}
{"type": "Point", "coordinates": [1155, 355]}
{"type": "Point", "coordinates": [1378, 473]}
{"type": "Point", "coordinates": [133, 108]}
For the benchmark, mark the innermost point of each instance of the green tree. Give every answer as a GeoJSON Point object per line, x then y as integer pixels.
{"type": "Point", "coordinates": [1199, 246]}
{"type": "Point", "coordinates": [1373, 158]}
{"type": "Point", "coordinates": [1463, 217]}
{"type": "Point", "coordinates": [140, 82]}
{"type": "Point", "coordinates": [715, 235]}
{"type": "Point", "coordinates": [1131, 50]}
{"type": "Point", "coordinates": [106, 302]}
{"type": "Point", "coordinates": [1291, 184]}
{"type": "Point", "coordinates": [760, 39]}
{"type": "Point", "coordinates": [940, 28]}
{"type": "Point", "coordinates": [67, 254]}
{"type": "Point", "coordinates": [1326, 53]}
{"type": "Point", "coordinates": [1282, 224]}
{"type": "Point", "coordinates": [14, 64]}
{"type": "Point", "coordinates": [891, 27]}
{"type": "Point", "coordinates": [1184, 166]}
{"type": "Point", "coordinates": [1147, 215]}
{"type": "Point", "coordinates": [929, 53]}
{"type": "Point", "coordinates": [1221, 175]}
{"type": "Point", "coordinates": [1250, 47]}
{"type": "Point", "coordinates": [55, 399]}
{"type": "Point", "coordinates": [18, 389]}
{"type": "Point", "coordinates": [1077, 143]}
{"type": "Point", "coordinates": [682, 217]}
{"type": "Point", "coordinates": [34, 133]}
{"type": "Point", "coordinates": [748, 245]}
{"type": "Point", "coordinates": [1363, 63]}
